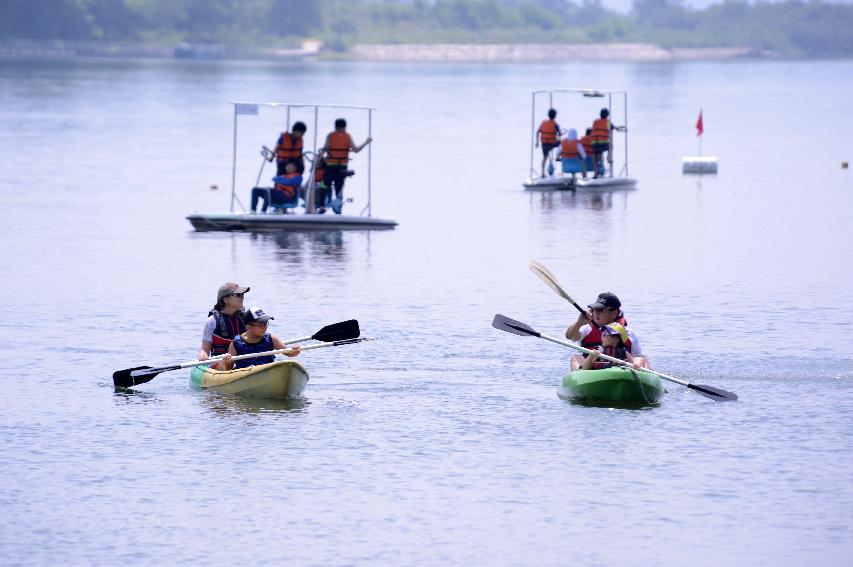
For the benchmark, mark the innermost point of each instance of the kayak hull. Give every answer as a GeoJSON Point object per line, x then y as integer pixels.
{"type": "Point", "coordinates": [280, 379]}
{"type": "Point", "coordinates": [612, 386]}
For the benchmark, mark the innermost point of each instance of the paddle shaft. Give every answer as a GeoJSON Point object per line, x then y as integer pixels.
{"type": "Point", "coordinates": [611, 359]}
{"type": "Point", "coordinates": [143, 372]}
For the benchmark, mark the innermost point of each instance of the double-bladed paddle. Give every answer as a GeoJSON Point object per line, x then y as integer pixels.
{"type": "Point", "coordinates": [504, 323]}
{"type": "Point", "coordinates": [343, 333]}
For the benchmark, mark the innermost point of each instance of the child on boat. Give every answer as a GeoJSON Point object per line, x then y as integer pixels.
{"type": "Point", "coordinates": [254, 339]}
{"type": "Point", "coordinates": [614, 339]}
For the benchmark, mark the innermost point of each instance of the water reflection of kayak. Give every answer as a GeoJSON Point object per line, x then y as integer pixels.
{"type": "Point", "coordinates": [612, 385]}
{"type": "Point", "coordinates": [280, 379]}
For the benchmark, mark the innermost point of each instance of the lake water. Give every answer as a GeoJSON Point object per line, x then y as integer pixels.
{"type": "Point", "coordinates": [443, 442]}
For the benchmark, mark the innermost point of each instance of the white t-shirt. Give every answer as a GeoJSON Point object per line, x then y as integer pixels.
{"type": "Point", "coordinates": [209, 327]}
{"type": "Point", "coordinates": [636, 350]}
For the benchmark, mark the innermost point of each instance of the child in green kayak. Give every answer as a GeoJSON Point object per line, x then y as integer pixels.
{"type": "Point", "coordinates": [614, 339]}
{"type": "Point", "coordinates": [255, 339]}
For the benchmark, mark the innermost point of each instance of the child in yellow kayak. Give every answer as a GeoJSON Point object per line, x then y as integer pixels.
{"type": "Point", "coordinates": [614, 341]}
{"type": "Point", "coordinates": [254, 339]}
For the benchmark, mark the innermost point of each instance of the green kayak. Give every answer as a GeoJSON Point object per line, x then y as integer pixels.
{"type": "Point", "coordinates": [614, 385]}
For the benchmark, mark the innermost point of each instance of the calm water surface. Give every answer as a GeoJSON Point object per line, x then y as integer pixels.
{"type": "Point", "coordinates": [443, 442]}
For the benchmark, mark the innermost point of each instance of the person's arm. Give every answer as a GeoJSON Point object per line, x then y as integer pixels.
{"type": "Point", "coordinates": [581, 151]}
{"type": "Point", "coordinates": [278, 344]}
{"type": "Point", "coordinates": [207, 338]}
{"type": "Point", "coordinates": [322, 152]}
{"type": "Point", "coordinates": [573, 332]}
{"type": "Point", "coordinates": [538, 135]}
{"type": "Point", "coordinates": [277, 146]}
{"type": "Point", "coordinates": [227, 363]}
{"type": "Point", "coordinates": [357, 149]}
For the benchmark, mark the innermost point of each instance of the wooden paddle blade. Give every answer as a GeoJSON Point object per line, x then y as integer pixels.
{"type": "Point", "coordinates": [504, 323]}
{"type": "Point", "coordinates": [716, 394]}
{"type": "Point", "coordinates": [123, 379]}
{"type": "Point", "coordinates": [338, 331]}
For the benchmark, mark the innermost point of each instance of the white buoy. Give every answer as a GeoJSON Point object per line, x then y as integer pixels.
{"type": "Point", "coordinates": [699, 164]}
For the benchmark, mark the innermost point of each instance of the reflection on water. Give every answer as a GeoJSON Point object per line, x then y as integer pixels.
{"type": "Point", "coordinates": [128, 396]}
{"type": "Point", "coordinates": [226, 404]}
{"type": "Point", "coordinates": [593, 200]}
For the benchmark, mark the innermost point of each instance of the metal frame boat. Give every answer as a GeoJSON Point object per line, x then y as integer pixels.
{"type": "Point", "coordinates": [309, 220]}
{"type": "Point", "coordinates": [559, 182]}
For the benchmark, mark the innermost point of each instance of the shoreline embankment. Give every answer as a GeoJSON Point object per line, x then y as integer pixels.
{"type": "Point", "coordinates": [428, 53]}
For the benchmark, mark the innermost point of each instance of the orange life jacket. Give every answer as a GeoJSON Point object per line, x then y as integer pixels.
{"type": "Point", "coordinates": [569, 149]}
{"type": "Point", "coordinates": [289, 190]}
{"type": "Point", "coordinates": [587, 145]}
{"type": "Point", "coordinates": [601, 130]}
{"type": "Point", "coordinates": [337, 152]}
{"type": "Point", "coordinates": [548, 132]}
{"type": "Point", "coordinates": [319, 172]}
{"type": "Point", "coordinates": [290, 147]}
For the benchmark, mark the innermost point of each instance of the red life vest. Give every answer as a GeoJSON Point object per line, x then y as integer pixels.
{"type": "Point", "coordinates": [587, 145]}
{"type": "Point", "coordinates": [288, 190]}
{"type": "Point", "coordinates": [592, 340]}
{"type": "Point", "coordinates": [601, 131]}
{"type": "Point", "coordinates": [337, 152]}
{"type": "Point", "coordinates": [227, 327]}
{"type": "Point", "coordinates": [290, 147]}
{"type": "Point", "coordinates": [548, 132]}
{"type": "Point", "coordinates": [569, 149]}
{"type": "Point", "coordinates": [619, 352]}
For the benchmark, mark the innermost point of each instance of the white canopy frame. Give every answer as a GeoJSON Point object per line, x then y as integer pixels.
{"type": "Point", "coordinates": [251, 109]}
{"type": "Point", "coordinates": [588, 93]}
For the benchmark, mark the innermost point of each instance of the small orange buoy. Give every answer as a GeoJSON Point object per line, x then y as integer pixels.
{"type": "Point", "coordinates": [214, 186]}
{"type": "Point", "coordinates": [844, 165]}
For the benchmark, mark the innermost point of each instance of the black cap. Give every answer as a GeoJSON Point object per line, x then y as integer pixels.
{"type": "Point", "coordinates": [606, 300]}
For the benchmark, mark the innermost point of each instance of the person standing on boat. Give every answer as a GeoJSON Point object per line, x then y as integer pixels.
{"type": "Point", "coordinates": [288, 149]}
{"type": "Point", "coordinates": [254, 339]}
{"type": "Point", "coordinates": [602, 141]}
{"type": "Point", "coordinates": [572, 154]}
{"type": "Point", "coordinates": [337, 148]}
{"type": "Point", "coordinates": [586, 330]}
{"type": "Point", "coordinates": [224, 322]}
{"type": "Point", "coordinates": [548, 135]}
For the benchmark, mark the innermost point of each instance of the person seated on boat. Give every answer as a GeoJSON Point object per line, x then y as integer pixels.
{"type": "Point", "coordinates": [586, 330]}
{"type": "Point", "coordinates": [586, 141]}
{"type": "Point", "coordinates": [319, 184]}
{"type": "Point", "coordinates": [284, 191]}
{"type": "Point", "coordinates": [548, 135]}
{"type": "Point", "coordinates": [614, 343]}
{"type": "Point", "coordinates": [572, 154]}
{"type": "Point", "coordinates": [288, 149]}
{"type": "Point", "coordinates": [224, 321]}
{"type": "Point", "coordinates": [255, 339]}
{"type": "Point", "coordinates": [336, 151]}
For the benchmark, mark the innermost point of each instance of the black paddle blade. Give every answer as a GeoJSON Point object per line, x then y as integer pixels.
{"type": "Point", "coordinates": [349, 341]}
{"type": "Point", "coordinates": [338, 331]}
{"type": "Point", "coordinates": [504, 323]}
{"type": "Point", "coordinates": [716, 394]}
{"type": "Point", "coordinates": [123, 379]}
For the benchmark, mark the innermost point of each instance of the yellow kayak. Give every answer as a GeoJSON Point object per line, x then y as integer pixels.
{"type": "Point", "coordinates": [280, 379]}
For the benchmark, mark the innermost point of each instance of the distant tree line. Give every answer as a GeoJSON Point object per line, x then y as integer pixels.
{"type": "Point", "coordinates": [791, 27]}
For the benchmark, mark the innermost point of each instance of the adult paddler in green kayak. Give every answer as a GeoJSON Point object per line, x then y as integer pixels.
{"type": "Point", "coordinates": [586, 330]}
{"type": "Point", "coordinates": [224, 321]}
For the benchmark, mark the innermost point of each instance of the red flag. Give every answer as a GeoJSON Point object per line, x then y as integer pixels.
{"type": "Point", "coordinates": [699, 128]}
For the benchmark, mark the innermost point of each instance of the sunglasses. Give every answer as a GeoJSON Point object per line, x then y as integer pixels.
{"type": "Point", "coordinates": [256, 324]}
{"type": "Point", "coordinates": [240, 295]}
